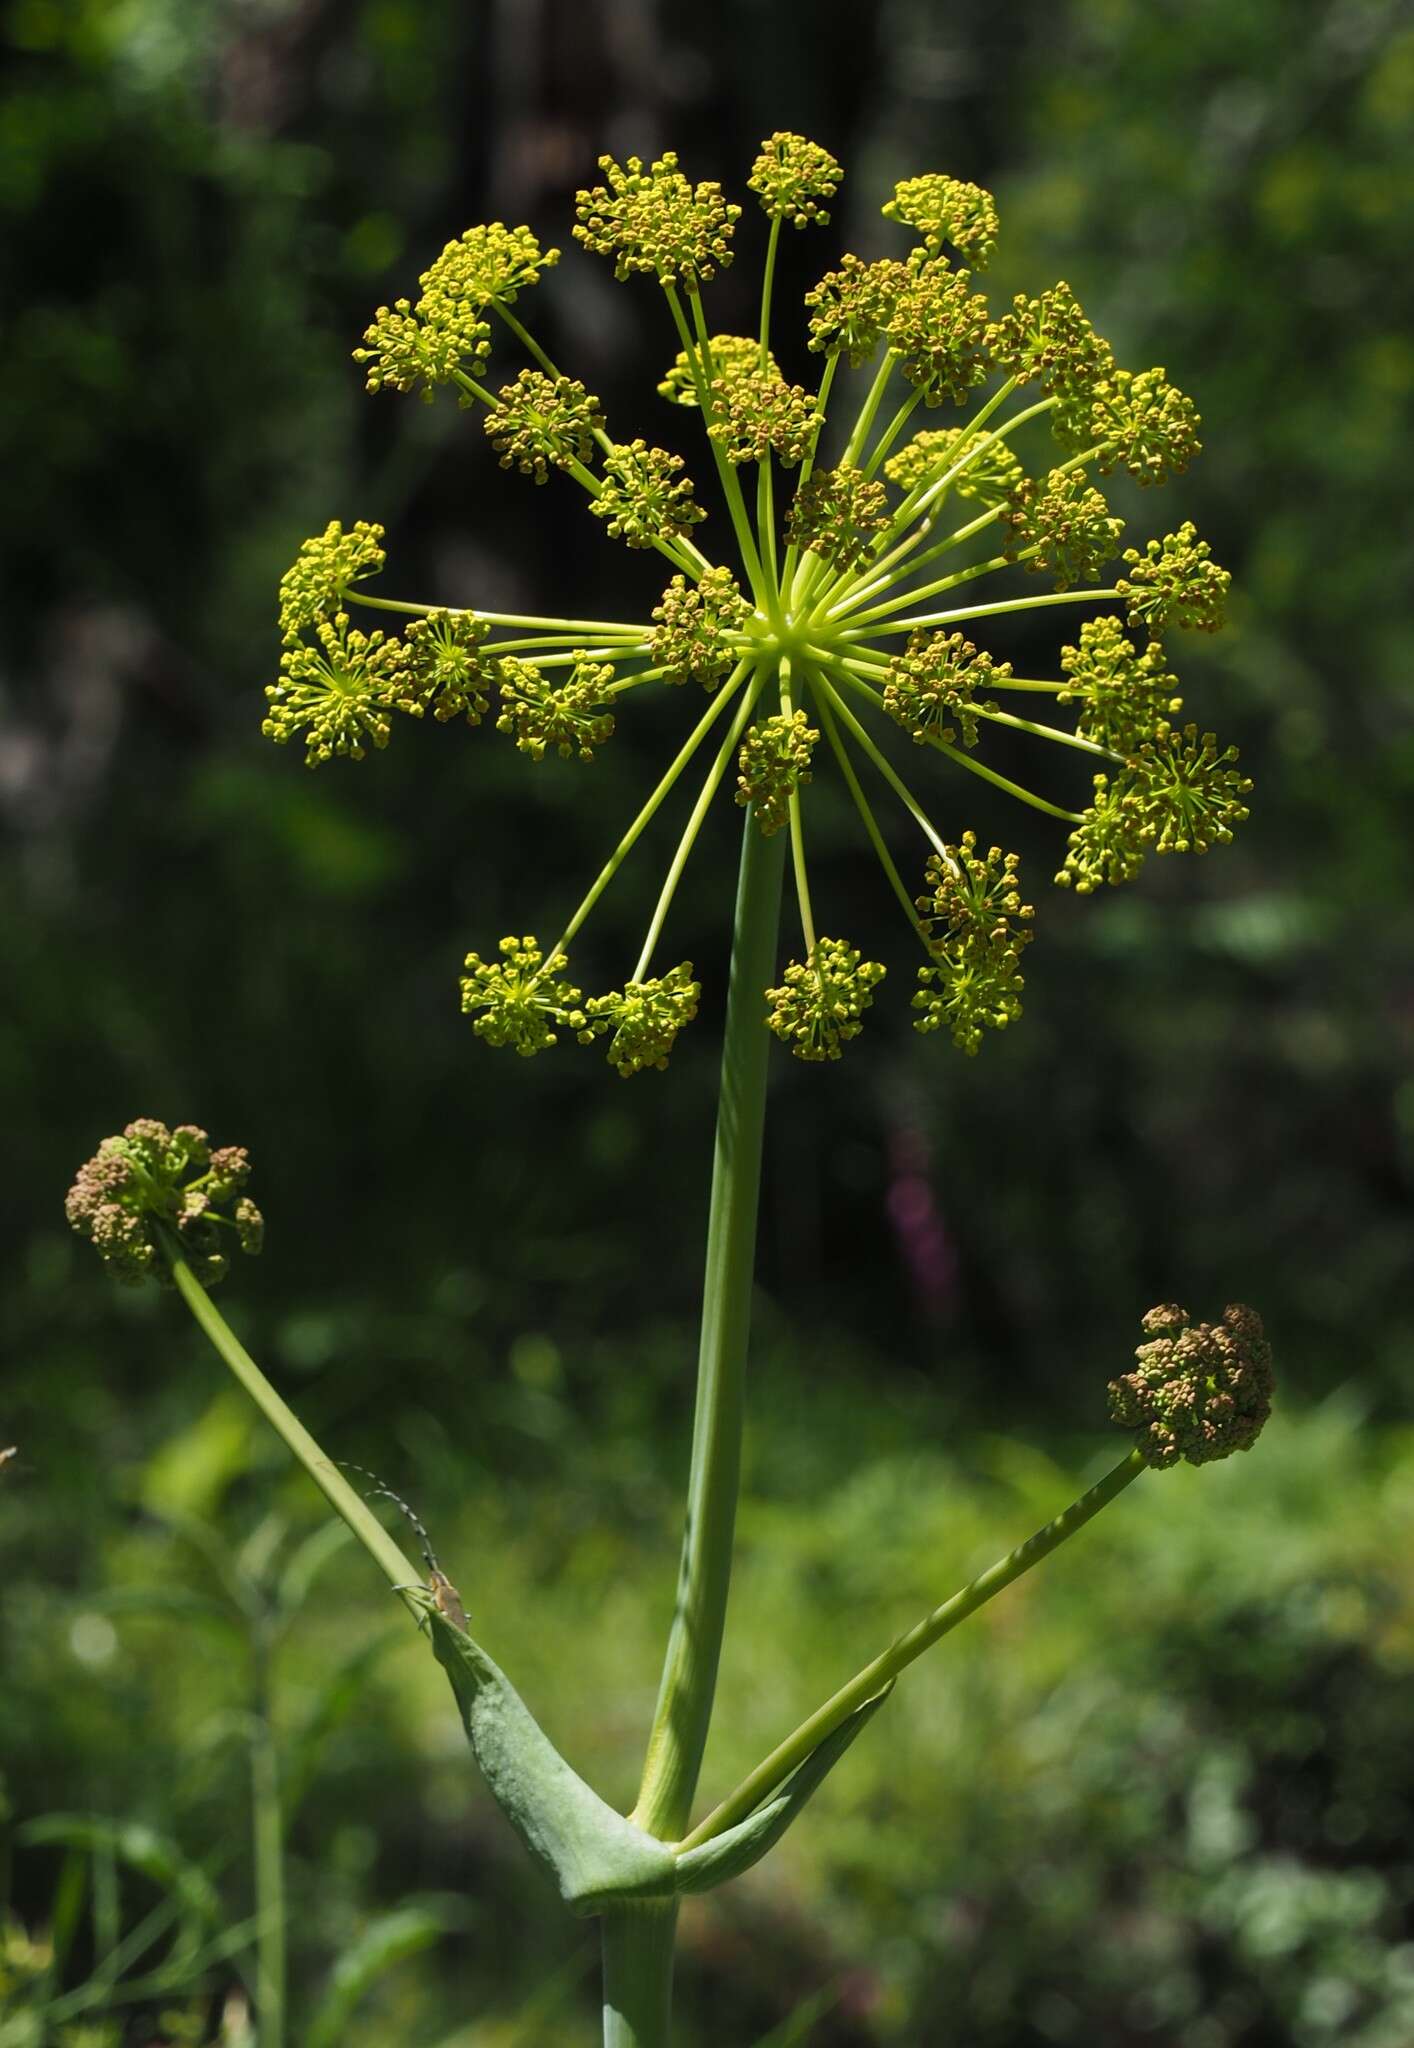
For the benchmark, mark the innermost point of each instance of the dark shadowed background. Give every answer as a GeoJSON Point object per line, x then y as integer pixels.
{"type": "Point", "coordinates": [1165, 1793]}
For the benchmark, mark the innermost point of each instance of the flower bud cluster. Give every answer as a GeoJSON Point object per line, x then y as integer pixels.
{"type": "Point", "coordinates": [153, 1180]}
{"type": "Point", "coordinates": [691, 625]}
{"type": "Point", "coordinates": [1175, 582]}
{"type": "Point", "coordinates": [975, 924]}
{"type": "Point", "coordinates": [791, 176]}
{"type": "Point", "coordinates": [1199, 1391]}
{"type": "Point", "coordinates": [759, 414]}
{"type": "Point", "coordinates": [947, 211]}
{"type": "Point", "coordinates": [414, 348]}
{"type": "Point", "coordinates": [571, 716]}
{"type": "Point", "coordinates": [932, 687]}
{"type": "Point", "coordinates": [837, 514]}
{"type": "Point", "coordinates": [338, 691]}
{"type": "Point", "coordinates": [646, 495]}
{"type": "Point", "coordinates": [1179, 793]}
{"type": "Point", "coordinates": [324, 571]}
{"type": "Point", "coordinates": [734, 356]}
{"type": "Point", "coordinates": [449, 673]}
{"type": "Point", "coordinates": [991, 474]}
{"type": "Point", "coordinates": [652, 220]}
{"type": "Point", "coordinates": [1048, 340]}
{"type": "Point", "coordinates": [1146, 423]}
{"type": "Point", "coordinates": [543, 422]}
{"type": "Point", "coordinates": [1124, 696]}
{"type": "Point", "coordinates": [1061, 525]}
{"type": "Point", "coordinates": [827, 629]}
{"type": "Point", "coordinates": [774, 762]}
{"type": "Point", "coordinates": [853, 307]}
{"type": "Point", "coordinates": [643, 1019]}
{"type": "Point", "coordinates": [819, 1005]}
{"type": "Point", "coordinates": [941, 332]}
{"type": "Point", "coordinates": [520, 1000]}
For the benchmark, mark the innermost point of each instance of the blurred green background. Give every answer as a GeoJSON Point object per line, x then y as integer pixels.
{"type": "Point", "coordinates": [1162, 1793]}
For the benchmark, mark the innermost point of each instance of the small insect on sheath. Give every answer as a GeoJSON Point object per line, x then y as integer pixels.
{"type": "Point", "coordinates": [449, 1600]}
{"type": "Point", "coordinates": [446, 1598]}
{"type": "Point", "coordinates": [6, 1455]}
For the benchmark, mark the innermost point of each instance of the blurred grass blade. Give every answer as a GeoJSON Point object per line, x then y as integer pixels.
{"type": "Point", "coordinates": [107, 1909]}
{"type": "Point", "coordinates": [69, 1892]}
{"type": "Point", "coordinates": [168, 1603]}
{"type": "Point", "coordinates": [792, 2032]}
{"type": "Point", "coordinates": [333, 1704]}
{"type": "Point", "coordinates": [131, 1842]}
{"type": "Point", "coordinates": [389, 1940]}
{"type": "Point", "coordinates": [305, 1564]}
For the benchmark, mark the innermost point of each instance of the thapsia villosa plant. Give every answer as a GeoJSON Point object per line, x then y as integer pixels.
{"type": "Point", "coordinates": [849, 607]}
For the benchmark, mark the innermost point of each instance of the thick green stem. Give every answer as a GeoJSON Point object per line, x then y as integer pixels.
{"type": "Point", "coordinates": [638, 1975]}
{"type": "Point", "coordinates": [689, 1680]}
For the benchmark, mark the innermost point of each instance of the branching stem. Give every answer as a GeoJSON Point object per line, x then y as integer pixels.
{"type": "Point", "coordinates": [869, 1682]}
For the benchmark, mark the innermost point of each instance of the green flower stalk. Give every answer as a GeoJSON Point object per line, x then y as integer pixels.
{"type": "Point", "coordinates": [841, 594]}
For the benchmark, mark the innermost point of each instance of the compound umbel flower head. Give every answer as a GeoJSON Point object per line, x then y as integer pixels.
{"type": "Point", "coordinates": [1198, 1391]}
{"type": "Point", "coordinates": [155, 1189]}
{"type": "Point", "coordinates": [836, 622]}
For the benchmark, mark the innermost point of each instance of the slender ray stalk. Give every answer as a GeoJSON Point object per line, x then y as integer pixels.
{"type": "Point", "coordinates": [896, 783]}
{"type": "Point", "coordinates": [631, 836]}
{"type": "Point", "coordinates": [807, 467]}
{"type": "Point", "coordinates": [709, 789]}
{"type": "Point", "coordinates": [958, 754]}
{"type": "Point", "coordinates": [699, 366]}
{"type": "Point", "coordinates": [848, 605]}
{"type": "Point", "coordinates": [984, 611]}
{"type": "Point", "coordinates": [862, 669]}
{"type": "Point", "coordinates": [866, 813]}
{"type": "Point", "coordinates": [797, 835]}
{"type": "Point", "coordinates": [555, 629]}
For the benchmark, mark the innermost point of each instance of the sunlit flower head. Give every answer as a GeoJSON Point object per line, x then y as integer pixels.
{"type": "Point", "coordinates": [830, 608]}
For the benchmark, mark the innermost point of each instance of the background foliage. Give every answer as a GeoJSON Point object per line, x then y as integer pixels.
{"type": "Point", "coordinates": [1165, 1792]}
